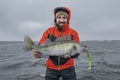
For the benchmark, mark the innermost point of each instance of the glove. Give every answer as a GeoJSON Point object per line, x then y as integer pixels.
{"type": "Point", "coordinates": [75, 55]}
{"type": "Point", "coordinates": [51, 37]}
{"type": "Point", "coordinates": [71, 56]}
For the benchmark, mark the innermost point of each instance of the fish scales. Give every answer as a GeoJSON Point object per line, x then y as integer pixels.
{"type": "Point", "coordinates": [59, 47]}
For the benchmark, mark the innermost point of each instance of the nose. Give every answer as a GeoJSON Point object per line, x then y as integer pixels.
{"type": "Point", "coordinates": [61, 20]}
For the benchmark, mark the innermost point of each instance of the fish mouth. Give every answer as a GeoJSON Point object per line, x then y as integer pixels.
{"type": "Point", "coordinates": [84, 48]}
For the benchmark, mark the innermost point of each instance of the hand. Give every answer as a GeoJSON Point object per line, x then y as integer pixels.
{"type": "Point", "coordinates": [36, 53]}
{"type": "Point", "coordinates": [73, 54]}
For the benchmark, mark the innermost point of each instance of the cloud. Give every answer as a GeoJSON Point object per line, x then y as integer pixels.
{"type": "Point", "coordinates": [93, 19]}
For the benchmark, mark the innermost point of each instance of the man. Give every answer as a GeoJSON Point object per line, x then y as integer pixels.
{"type": "Point", "coordinates": [59, 66]}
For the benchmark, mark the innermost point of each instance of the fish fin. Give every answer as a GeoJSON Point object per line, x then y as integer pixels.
{"type": "Point", "coordinates": [59, 39]}
{"type": "Point", "coordinates": [64, 38]}
{"type": "Point", "coordinates": [28, 43]}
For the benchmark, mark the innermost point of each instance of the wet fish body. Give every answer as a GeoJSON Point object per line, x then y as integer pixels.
{"type": "Point", "coordinates": [61, 46]}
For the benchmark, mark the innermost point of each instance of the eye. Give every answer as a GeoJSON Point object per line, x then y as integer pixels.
{"type": "Point", "coordinates": [59, 17]}
{"type": "Point", "coordinates": [64, 17]}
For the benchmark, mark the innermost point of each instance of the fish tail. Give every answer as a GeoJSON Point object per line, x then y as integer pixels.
{"type": "Point", "coordinates": [28, 43]}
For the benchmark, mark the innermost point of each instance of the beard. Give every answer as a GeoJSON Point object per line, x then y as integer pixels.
{"type": "Point", "coordinates": [60, 25]}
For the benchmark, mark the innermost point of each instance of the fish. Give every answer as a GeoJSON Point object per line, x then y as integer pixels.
{"type": "Point", "coordinates": [61, 46]}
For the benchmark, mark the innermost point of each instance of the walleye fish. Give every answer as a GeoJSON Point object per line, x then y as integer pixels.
{"type": "Point", "coordinates": [61, 46]}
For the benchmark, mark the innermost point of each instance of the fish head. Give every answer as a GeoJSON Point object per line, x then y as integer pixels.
{"type": "Point", "coordinates": [78, 48]}
{"type": "Point", "coordinates": [83, 48]}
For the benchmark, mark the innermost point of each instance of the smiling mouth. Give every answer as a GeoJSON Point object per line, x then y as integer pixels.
{"type": "Point", "coordinates": [62, 22]}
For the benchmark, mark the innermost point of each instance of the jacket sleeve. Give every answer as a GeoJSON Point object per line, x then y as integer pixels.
{"type": "Point", "coordinates": [44, 37]}
{"type": "Point", "coordinates": [75, 37]}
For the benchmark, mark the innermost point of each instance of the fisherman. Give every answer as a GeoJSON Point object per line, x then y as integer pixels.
{"type": "Point", "coordinates": [59, 66]}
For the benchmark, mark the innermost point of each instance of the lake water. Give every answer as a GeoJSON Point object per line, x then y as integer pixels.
{"type": "Point", "coordinates": [15, 64]}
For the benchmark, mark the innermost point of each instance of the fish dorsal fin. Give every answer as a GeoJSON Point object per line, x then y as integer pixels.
{"type": "Point", "coordinates": [64, 38]}
{"type": "Point", "coordinates": [59, 39]}
{"type": "Point", "coordinates": [48, 41]}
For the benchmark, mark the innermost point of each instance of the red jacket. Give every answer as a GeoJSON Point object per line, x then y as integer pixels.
{"type": "Point", "coordinates": [66, 30]}
{"type": "Point", "coordinates": [54, 31]}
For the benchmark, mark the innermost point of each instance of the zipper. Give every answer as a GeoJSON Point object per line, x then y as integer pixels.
{"type": "Point", "coordinates": [58, 62]}
{"type": "Point", "coordinates": [59, 56]}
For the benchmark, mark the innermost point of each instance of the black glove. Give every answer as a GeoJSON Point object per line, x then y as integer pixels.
{"type": "Point", "coordinates": [51, 37]}
{"type": "Point", "coordinates": [75, 55]}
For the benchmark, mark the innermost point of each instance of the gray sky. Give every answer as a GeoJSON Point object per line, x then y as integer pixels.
{"type": "Point", "coordinates": [92, 19]}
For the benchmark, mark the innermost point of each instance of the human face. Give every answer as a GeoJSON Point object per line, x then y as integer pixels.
{"type": "Point", "coordinates": [61, 20]}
